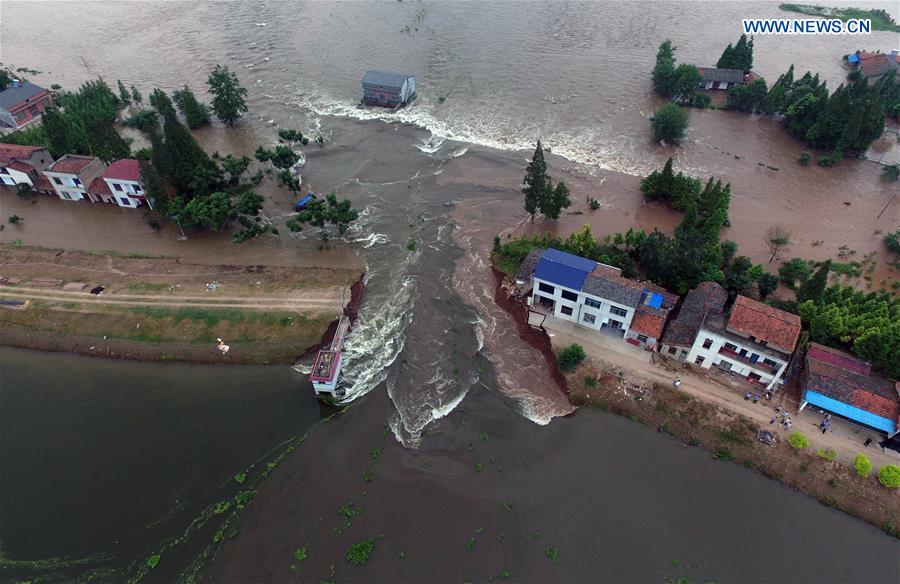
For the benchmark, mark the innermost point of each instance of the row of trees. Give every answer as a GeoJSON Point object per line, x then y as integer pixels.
{"type": "Point", "coordinates": [540, 194]}
{"type": "Point", "coordinates": [83, 123]}
{"type": "Point", "coordinates": [676, 83]}
{"type": "Point", "coordinates": [739, 56]}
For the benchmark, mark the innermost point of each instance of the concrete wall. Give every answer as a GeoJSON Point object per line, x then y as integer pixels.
{"type": "Point", "coordinates": [129, 187]}
{"type": "Point", "coordinates": [712, 357]}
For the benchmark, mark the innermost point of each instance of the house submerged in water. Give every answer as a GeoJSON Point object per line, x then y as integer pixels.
{"type": "Point", "coordinates": [387, 89]}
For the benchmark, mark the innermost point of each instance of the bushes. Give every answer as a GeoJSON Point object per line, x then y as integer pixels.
{"type": "Point", "coordinates": [570, 357]}
{"type": "Point", "coordinates": [889, 476]}
{"type": "Point", "coordinates": [827, 454]}
{"type": "Point", "coordinates": [798, 440]}
{"type": "Point", "coordinates": [863, 465]}
{"type": "Point", "coordinates": [143, 120]}
{"type": "Point", "coordinates": [359, 553]}
{"type": "Point", "coordinates": [806, 158]}
{"type": "Point", "coordinates": [892, 241]}
{"type": "Point", "coordinates": [669, 123]}
{"type": "Point", "coordinates": [794, 273]}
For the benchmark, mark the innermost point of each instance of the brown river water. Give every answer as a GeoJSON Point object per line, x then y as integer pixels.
{"type": "Point", "coordinates": [492, 77]}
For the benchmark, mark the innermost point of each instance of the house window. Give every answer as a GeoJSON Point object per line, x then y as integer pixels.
{"type": "Point", "coordinates": [76, 182]}
{"type": "Point", "coordinates": [755, 377]}
{"type": "Point", "coordinates": [8, 180]}
{"type": "Point", "coordinates": [724, 365]}
{"type": "Point", "coordinates": [707, 343]}
{"type": "Point", "coordinates": [770, 363]}
{"type": "Point", "coordinates": [672, 350]}
{"type": "Point", "coordinates": [699, 361]}
{"type": "Point", "coordinates": [731, 347]}
{"type": "Point", "coordinates": [566, 310]}
{"type": "Point", "coordinates": [642, 338]}
{"type": "Point", "coordinates": [614, 324]}
{"type": "Point", "coordinates": [546, 288]}
{"type": "Point", "coordinates": [117, 186]}
{"type": "Point", "coordinates": [137, 189]}
{"type": "Point", "coordinates": [592, 303]}
{"type": "Point", "coordinates": [3, 170]}
{"type": "Point", "coordinates": [588, 318]}
{"type": "Point", "coordinates": [57, 180]}
{"type": "Point", "coordinates": [65, 195]}
{"type": "Point", "coordinates": [570, 296]}
{"type": "Point", "coordinates": [124, 202]}
{"type": "Point", "coordinates": [617, 311]}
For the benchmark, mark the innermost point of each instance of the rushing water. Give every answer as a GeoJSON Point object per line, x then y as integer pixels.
{"type": "Point", "coordinates": [435, 182]}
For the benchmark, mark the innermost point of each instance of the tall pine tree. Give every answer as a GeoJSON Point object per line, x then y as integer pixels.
{"type": "Point", "coordinates": [535, 182]}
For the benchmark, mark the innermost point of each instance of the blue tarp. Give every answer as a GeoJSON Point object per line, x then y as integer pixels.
{"type": "Point", "coordinates": [853, 59]}
{"type": "Point", "coordinates": [563, 269]}
{"type": "Point", "coordinates": [302, 202]}
{"type": "Point", "coordinates": [654, 300]}
{"type": "Point", "coordinates": [848, 411]}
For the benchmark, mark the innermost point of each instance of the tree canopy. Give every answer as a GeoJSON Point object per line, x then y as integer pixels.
{"type": "Point", "coordinates": [669, 123]}
{"type": "Point", "coordinates": [676, 83]}
{"type": "Point", "coordinates": [83, 123]}
{"type": "Point", "coordinates": [739, 56]}
{"type": "Point", "coordinates": [195, 114]}
{"type": "Point", "coordinates": [228, 95]}
{"type": "Point", "coordinates": [540, 194]}
{"type": "Point", "coordinates": [322, 213]}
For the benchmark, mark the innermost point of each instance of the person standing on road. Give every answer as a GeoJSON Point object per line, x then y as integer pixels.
{"type": "Point", "coordinates": [867, 442]}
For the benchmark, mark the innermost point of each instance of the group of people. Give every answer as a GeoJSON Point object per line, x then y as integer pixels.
{"type": "Point", "coordinates": [749, 395]}
{"type": "Point", "coordinates": [785, 417]}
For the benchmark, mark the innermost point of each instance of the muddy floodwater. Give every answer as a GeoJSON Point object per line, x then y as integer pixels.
{"type": "Point", "coordinates": [106, 460]}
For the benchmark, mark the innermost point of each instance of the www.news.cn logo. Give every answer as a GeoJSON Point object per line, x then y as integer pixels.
{"type": "Point", "coordinates": [806, 26]}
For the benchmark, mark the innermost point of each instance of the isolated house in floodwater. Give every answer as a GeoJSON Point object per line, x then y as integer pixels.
{"type": "Point", "coordinates": [388, 89]}
{"type": "Point", "coordinates": [712, 78]}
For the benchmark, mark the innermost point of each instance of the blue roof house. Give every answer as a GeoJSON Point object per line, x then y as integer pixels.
{"type": "Point", "coordinates": [558, 280]}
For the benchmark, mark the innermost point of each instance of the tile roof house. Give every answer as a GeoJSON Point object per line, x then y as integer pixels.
{"type": "Point", "coordinates": [595, 296]}
{"type": "Point", "coordinates": [22, 103]}
{"type": "Point", "coordinates": [389, 89]}
{"type": "Point", "coordinates": [873, 66]}
{"type": "Point", "coordinates": [71, 175]}
{"type": "Point", "coordinates": [844, 385]}
{"type": "Point", "coordinates": [705, 298]}
{"type": "Point", "coordinates": [712, 78]}
{"type": "Point", "coordinates": [754, 342]}
{"type": "Point", "coordinates": [22, 164]}
{"type": "Point", "coordinates": [120, 184]}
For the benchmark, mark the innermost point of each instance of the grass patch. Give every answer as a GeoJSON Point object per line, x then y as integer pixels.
{"type": "Point", "coordinates": [213, 316]}
{"type": "Point", "coordinates": [300, 554]}
{"type": "Point", "coordinates": [553, 554]}
{"type": "Point", "coordinates": [881, 19]}
{"type": "Point", "coordinates": [723, 454]}
{"type": "Point", "coordinates": [359, 553]}
{"type": "Point", "coordinates": [827, 454]}
{"type": "Point", "coordinates": [148, 286]}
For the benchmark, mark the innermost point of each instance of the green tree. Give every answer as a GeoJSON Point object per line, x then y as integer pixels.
{"type": "Point", "coordinates": [214, 212]}
{"type": "Point", "coordinates": [813, 288]}
{"type": "Point", "coordinates": [687, 78]}
{"type": "Point", "coordinates": [740, 56]}
{"type": "Point", "coordinates": [228, 95]}
{"type": "Point", "coordinates": [195, 114]}
{"type": "Point", "coordinates": [536, 182]}
{"type": "Point", "coordinates": [767, 283]}
{"type": "Point", "coordinates": [570, 357]}
{"type": "Point", "coordinates": [775, 99]}
{"type": "Point", "coordinates": [863, 465]}
{"type": "Point", "coordinates": [664, 71]}
{"type": "Point", "coordinates": [124, 95]}
{"type": "Point", "coordinates": [794, 272]}
{"type": "Point", "coordinates": [778, 238]}
{"type": "Point", "coordinates": [582, 242]}
{"type": "Point", "coordinates": [136, 95]}
{"type": "Point", "coordinates": [555, 201]}
{"type": "Point", "coordinates": [330, 211]}
{"type": "Point", "coordinates": [669, 123]}
{"type": "Point", "coordinates": [162, 102]}
{"type": "Point", "coordinates": [676, 189]}
{"type": "Point", "coordinates": [235, 168]}
{"type": "Point", "coordinates": [798, 440]}
{"type": "Point", "coordinates": [249, 203]}
{"type": "Point", "coordinates": [747, 98]}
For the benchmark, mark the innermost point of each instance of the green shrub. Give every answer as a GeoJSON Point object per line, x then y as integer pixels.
{"type": "Point", "coordinates": [359, 553]}
{"type": "Point", "coordinates": [798, 440]}
{"type": "Point", "coordinates": [891, 173]}
{"type": "Point", "coordinates": [300, 554]}
{"type": "Point", "coordinates": [669, 123]}
{"type": "Point", "coordinates": [889, 476]}
{"type": "Point", "coordinates": [806, 158]}
{"type": "Point", "coordinates": [143, 120]}
{"type": "Point", "coordinates": [794, 272]}
{"type": "Point", "coordinates": [892, 241]}
{"type": "Point", "coordinates": [570, 357]}
{"type": "Point", "coordinates": [827, 454]}
{"type": "Point", "coordinates": [863, 465]}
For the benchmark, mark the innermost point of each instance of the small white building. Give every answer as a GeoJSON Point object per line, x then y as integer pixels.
{"type": "Point", "coordinates": [71, 175]}
{"type": "Point", "coordinates": [597, 296]}
{"type": "Point", "coordinates": [22, 164]}
{"type": "Point", "coordinates": [755, 342]}
{"type": "Point", "coordinates": [120, 184]}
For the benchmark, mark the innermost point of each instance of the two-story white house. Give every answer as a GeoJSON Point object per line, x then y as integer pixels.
{"type": "Point", "coordinates": [71, 175]}
{"type": "Point", "coordinates": [595, 296]}
{"type": "Point", "coordinates": [755, 342]}
{"type": "Point", "coordinates": [22, 164]}
{"type": "Point", "coordinates": [120, 184]}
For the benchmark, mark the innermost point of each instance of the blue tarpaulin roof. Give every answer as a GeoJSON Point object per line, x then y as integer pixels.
{"type": "Point", "coordinates": [853, 59]}
{"type": "Point", "coordinates": [302, 202]}
{"type": "Point", "coordinates": [849, 412]}
{"type": "Point", "coordinates": [563, 269]}
{"type": "Point", "coordinates": [652, 299]}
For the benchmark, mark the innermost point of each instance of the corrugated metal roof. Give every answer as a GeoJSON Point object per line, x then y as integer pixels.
{"type": "Point", "coordinates": [850, 412]}
{"type": "Point", "coordinates": [15, 95]}
{"type": "Point", "coordinates": [385, 79]}
{"type": "Point", "coordinates": [563, 269]}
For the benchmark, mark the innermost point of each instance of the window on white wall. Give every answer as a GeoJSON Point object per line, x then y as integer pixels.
{"type": "Point", "coordinates": [570, 295]}
{"type": "Point", "coordinates": [588, 318]}
{"type": "Point", "coordinates": [617, 311]}
{"type": "Point", "coordinates": [566, 310]}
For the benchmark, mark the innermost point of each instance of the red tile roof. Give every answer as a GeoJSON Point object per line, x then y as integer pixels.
{"type": "Point", "coordinates": [839, 359]}
{"type": "Point", "coordinates": [775, 327]}
{"type": "Point", "coordinates": [873, 64]}
{"type": "Point", "coordinates": [71, 164]}
{"type": "Point", "coordinates": [647, 324]}
{"type": "Point", "coordinates": [880, 406]}
{"type": "Point", "coordinates": [125, 169]}
{"type": "Point", "coordinates": [99, 187]}
{"type": "Point", "coordinates": [20, 166]}
{"type": "Point", "coordinates": [9, 152]}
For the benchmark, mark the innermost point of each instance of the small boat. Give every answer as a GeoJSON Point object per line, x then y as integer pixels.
{"type": "Point", "coordinates": [326, 369]}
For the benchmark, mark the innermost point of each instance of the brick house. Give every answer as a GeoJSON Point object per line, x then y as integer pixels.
{"type": "Point", "coordinates": [71, 175]}
{"type": "Point", "coordinates": [22, 103]}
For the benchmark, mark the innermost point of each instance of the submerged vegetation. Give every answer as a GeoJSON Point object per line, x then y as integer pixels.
{"type": "Point", "coordinates": [881, 19]}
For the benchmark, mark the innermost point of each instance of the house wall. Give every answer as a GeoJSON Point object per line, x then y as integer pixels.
{"type": "Point", "coordinates": [680, 352]}
{"type": "Point", "coordinates": [27, 111]}
{"type": "Point", "coordinates": [711, 356]}
{"type": "Point", "coordinates": [69, 190]}
{"type": "Point", "coordinates": [848, 411]}
{"type": "Point", "coordinates": [40, 159]}
{"type": "Point", "coordinates": [582, 312]}
{"type": "Point", "coordinates": [124, 197]}
{"type": "Point", "coordinates": [8, 176]}
{"type": "Point", "coordinates": [648, 342]}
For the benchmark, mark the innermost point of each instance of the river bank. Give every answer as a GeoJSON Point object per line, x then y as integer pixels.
{"type": "Point", "coordinates": [163, 309]}
{"type": "Point", "coordinates": [698, 416]}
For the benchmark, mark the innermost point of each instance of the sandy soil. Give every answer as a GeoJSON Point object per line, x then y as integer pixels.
{"type": "Point", "coordinates": [164, 309]}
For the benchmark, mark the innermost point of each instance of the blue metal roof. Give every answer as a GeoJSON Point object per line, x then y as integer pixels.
{"type": "Point", "coordinates": [563, 269]}
{"type": "Point", "coordinates": [849, 412]}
